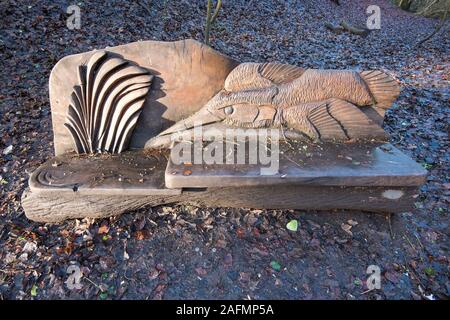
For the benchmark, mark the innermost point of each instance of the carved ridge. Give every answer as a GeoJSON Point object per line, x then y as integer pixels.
{"type": "Point", "coordinates": [106, 104]}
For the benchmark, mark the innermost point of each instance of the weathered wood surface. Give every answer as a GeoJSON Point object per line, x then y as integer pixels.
{"type": "Point", "coordinates": [358, 164]}
{"type": "Point", "coordinates": [144, 172]}
{"type": "Point", "coordinates": [187, 74]}
{"type": "Point", "coordinates": [56, 207]}
{"type": "Point", "coordinates": [77, 186]}
{"type": "Point", "coordinates": [139, 172]}
{"type": "Point", "coordinates": [325, 105]}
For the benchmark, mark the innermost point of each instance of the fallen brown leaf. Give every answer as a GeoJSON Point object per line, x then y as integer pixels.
{"type": "Point", "coordinates": [103, 229]}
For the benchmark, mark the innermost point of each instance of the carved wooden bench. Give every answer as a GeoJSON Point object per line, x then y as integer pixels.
{"type": "Point", "coordinates": [113, 111]}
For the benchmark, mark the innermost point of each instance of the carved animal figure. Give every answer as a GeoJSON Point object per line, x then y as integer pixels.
{"type": "Point", "coordinates": [321, 104]}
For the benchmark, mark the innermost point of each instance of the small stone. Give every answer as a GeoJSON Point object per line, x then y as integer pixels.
{"type": "Point", "coordinates": [228, 260]}
{"type": "Point", "coordinates": [29, 247]}
{"type": "Point", "coordinates": [7, 150]}
{"type": "Point", "coordinates": [10, 258]}
{"type": "Point", "coordinates": [347, 228]}
{"type": "Point", "coordinates": [23, 257]}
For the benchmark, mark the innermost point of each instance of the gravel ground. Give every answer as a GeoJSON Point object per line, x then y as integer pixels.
{"type": "Point", "coordinates": [185, 252]}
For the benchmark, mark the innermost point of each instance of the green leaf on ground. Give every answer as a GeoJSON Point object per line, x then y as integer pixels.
{"type": "Point", "coordinates": [427, 166]}
{"type": "Point", "coordinates": [275, 265]}
{"type": "Point", "coordinates": [292, 225]}
{"type": "Point", "coordinates": [33, 291]}
{"type": "Point", "coordinates": [429, 271]}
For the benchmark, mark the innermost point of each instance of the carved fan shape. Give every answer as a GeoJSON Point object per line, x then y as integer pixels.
{"type": "Point", "coordinates": [106, 105]}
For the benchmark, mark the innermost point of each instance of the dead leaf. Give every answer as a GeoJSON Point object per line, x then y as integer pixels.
{"type": "Point", "coordinates": [244, 277]}
{"type": "Point", "coordinates": [347, 228]}
{"type": "Point", "coordinates": [391, 276]}
{"type": "Point", "coordinates": [103, 229]}
{"type": "Point", "coordinates": [65, 233]}
{"type": "Point", "coordinates": [201, 271]}
{"type": "Point", "coordinates": [221, 243]}
{"type": "Point", "coordinates": [140, 235]}
{"type": "Point", "coordinates": [68, 248]}
{"type": "Point", "coordinates": [240, 232]}
{"type": "Point", "coordinates": [228, 260]}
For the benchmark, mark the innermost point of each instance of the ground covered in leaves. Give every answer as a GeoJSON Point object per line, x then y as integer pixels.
{"type": "Point", "coordinates": [185, 252]}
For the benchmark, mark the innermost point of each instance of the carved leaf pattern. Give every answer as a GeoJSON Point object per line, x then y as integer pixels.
{"type": "Point", "coordinates": [106, 104]}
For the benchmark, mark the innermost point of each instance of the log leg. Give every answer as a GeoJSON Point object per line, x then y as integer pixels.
{"type": "Point", "coordinates": [58, 206]}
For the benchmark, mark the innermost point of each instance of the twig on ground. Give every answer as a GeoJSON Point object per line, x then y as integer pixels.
{"type": "Point", "coordinates": [296, 163]}
{"type": "Point", "coordinates": [367, 291]}
{"type": "Point", "coordinates": [409, 241]}
{"type": "Point", "coordinates": [286, 139]}
{"type": "Point", "coordinates": [389, 216]}
{"type": "Point", "coordinates": [333, 28]}
{"type": "Point", "coordinates": [355, 30]}
{"type": "Point", "coordinates": [439, 27]}
{"type": "Point", "coordinates": [418, 240]}
{"type": "Point", "coordinates": [93, 283]}
{"type": "Point", "coordinates": [144, 4]}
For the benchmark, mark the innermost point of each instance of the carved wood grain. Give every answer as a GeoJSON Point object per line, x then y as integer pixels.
{"type": "Point", "coordinates": [106, 103]}
{"type": "Point", "coordinates": [54, 207]}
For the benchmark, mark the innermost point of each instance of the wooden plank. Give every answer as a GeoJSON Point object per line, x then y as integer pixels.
{"type": "Point", "coordinates": [355, 164]}
{"type": "Point", "coordinates": [73, 186]}
{"type": "Point", "coordinates": [139, 172]}
{"type": "Point", "coordinates": [56, 207]}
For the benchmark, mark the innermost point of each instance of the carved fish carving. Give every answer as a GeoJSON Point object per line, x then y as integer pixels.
{"type": "Point", "coordinates": [106, 104]}
{"type": "Point", "coordinates": [321, 104]}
